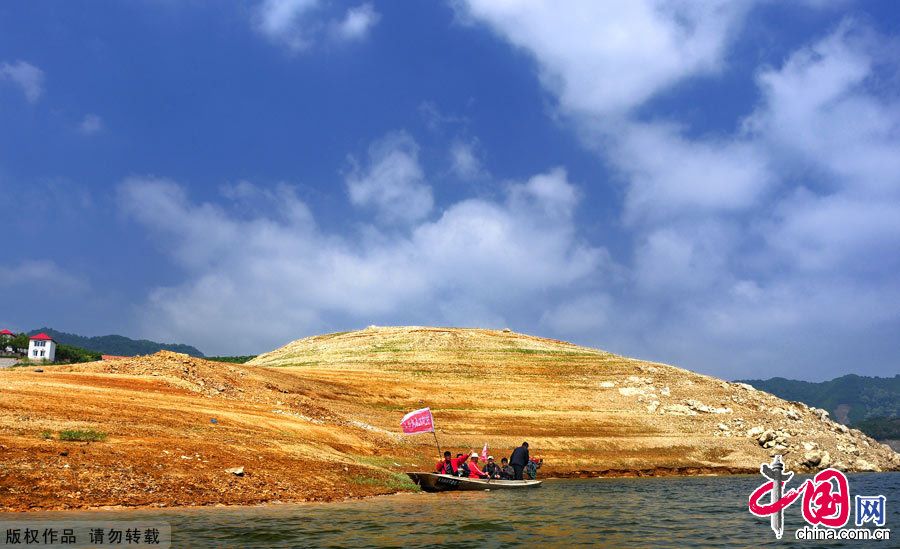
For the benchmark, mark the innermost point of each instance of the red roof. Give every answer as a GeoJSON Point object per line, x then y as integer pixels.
{"type": "Point", "coordinates": [41, 337]}
{"type": "Point", "coordinates": [6, 332]}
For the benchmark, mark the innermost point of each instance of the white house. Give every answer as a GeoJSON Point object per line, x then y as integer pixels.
{"type": "Point", "coordinates": [41, 347]}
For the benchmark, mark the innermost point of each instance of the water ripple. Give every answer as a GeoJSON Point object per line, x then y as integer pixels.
{"type": "Point", "coordinates": [663, 512]}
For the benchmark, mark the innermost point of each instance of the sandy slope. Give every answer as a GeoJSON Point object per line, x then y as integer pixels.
{"type": "Point", "coordinates": [317, 419]}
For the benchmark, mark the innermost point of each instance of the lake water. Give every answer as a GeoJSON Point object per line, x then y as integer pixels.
{"type": "Point", "coordinates": [651, 512]}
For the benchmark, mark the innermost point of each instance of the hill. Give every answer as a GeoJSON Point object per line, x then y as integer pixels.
{"type": "Point", "coordinates": [871, 403]}
{"type": "Point", "coordinates": [319, 418]}
{"type": "Point", "coordinates": [116, 344]}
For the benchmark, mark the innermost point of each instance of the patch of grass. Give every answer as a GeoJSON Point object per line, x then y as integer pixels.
{"type": "Point", "coordinates": [545, 352]}
{"type": "Point", "coordinates": [293, 364]}
{"type": "Point", "coordinates": [376, 461]}
{"type": "Point", "coordinates": [394, 481]}
{"type": "Point", "coordinates": [232, 359]}
{"type": "Point", "coordinates": [389, 349]}
{"type": "Point", "coordinates": [86, 435]}
{"type": "Point", "coordinates": [47, 435]}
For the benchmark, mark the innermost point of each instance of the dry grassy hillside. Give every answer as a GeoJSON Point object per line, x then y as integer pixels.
{"type": "Point", "coordinates": [318, 419]}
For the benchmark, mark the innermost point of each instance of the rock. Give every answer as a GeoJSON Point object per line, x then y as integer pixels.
{"type": "Point", "coordinates": [678, 409]}
{"type": "Point", "coordinates": [863, 465]}
{"type": "Point", "coordinates": [755, 431]}
{"type": "Point", "coordinates": [665, 391]}
{"type": "Point", "coordinates": [820, 413]}
{"type": "Point", "coordinates": [237, 471]}
{"type": "Point", "coordinates": [651, 408]}
{"type": "Point", "coordinates": [607, 384]}
{"type": "Point", "coordinates": [745, 386]}
{"type": "Point", "coordinates": [697, 406]}
{"type": "Point", "coordinates": [809, 445]}
{"type": "Point", "coordinates": [722, 427]}
{"type": "Point", "coordinates": [812, 458]}
{"type": "Point", "coordinates": [766, 436]}
{"type": "Point", "coordinates": [39, 370]}
{"type": "Point", "coordinates": [793, 414]}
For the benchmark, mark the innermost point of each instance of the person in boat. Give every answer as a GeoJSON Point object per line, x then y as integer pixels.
{"type": "Point", "coordinates": [518, 460]}
{"type": "Point", "coordinates": [445, 466]}
{"type": "Point", "coordinates": [472, 467]}
{"type": "Point", "coordinates": [506, 470]}
{"type": "Point", "coordinates": [491, 468]}
{"type": "Point", "coordinates": [532, 468]}
{"type": "Point", "coordinates": [449, 466]}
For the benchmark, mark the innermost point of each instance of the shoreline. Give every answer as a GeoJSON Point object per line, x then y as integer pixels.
{"type": "Point", "coordinates": [656, 472]}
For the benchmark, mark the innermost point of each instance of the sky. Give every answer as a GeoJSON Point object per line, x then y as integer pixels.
{"type": "Point", "coordinates": [711, 184]}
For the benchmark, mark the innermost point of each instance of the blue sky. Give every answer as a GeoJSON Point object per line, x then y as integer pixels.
{"type": "Point", "coordinates": [710, 184]}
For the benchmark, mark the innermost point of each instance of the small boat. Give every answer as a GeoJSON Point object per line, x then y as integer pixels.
{"type": "Point", "coordinates": [435, 482]}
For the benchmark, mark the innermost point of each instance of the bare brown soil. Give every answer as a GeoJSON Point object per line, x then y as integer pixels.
{"type": "Point", "coordinates": [319, 419]}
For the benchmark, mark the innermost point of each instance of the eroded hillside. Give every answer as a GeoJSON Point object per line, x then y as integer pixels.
{"type": "Point", "coordinates": [318, 420]}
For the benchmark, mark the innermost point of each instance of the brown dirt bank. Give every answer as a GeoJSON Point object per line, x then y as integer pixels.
{"type": "Point", "coordinates": [317, 420]}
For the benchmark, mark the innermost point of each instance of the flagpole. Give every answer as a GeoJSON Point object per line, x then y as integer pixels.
{"type": "Point", "coordinates": [438, 444]}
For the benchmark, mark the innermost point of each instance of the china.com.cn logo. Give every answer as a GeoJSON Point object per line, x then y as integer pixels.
{"type": "Point", "coordinates": [825, 502]}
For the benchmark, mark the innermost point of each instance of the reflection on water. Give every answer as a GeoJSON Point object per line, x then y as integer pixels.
{"type": "Point", "coordinates": [662, 512]}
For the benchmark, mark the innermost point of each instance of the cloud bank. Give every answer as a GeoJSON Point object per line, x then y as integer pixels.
{"type": "Point", "coordinates": [774, 245]}
{"type": "Point", "coordinates": [264, 276]}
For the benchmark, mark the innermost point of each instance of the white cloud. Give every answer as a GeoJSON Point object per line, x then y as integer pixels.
{"type": "Point", "coordinates": [820, 113]}
{"type": "Point", "coordinates": [605, 58]}
{"type": "Point", "coordinates": [394, 183]}
{"type": "Point", "coordinates": [299, 24]}
{"type": "Point", "coordinates": [357, 23]}
{"type": "Point", "coordinates": [25, 75]}
{"type": "Point", "coordinates": [91, 124]}
{"type": "Point", "coordinates": [464, 160]}
{"type": "Point", "coordinates": [41, 275]}
{"type": "Point", "coordinates": [823, 114]}
{"type": "Point", "coordinates": [288, 22]}
{"type": "Point", "coordinates": [437, 120]}
{"type": "Point", "coordinates": [671, 176]}
{"type": "Point", "coordinates": [257, 279]}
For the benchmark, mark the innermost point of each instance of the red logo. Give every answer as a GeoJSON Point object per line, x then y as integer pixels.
{"type": "Point", "coordinates": [826, 503]}
{"type": "Point", "coordinates": [826, 497]}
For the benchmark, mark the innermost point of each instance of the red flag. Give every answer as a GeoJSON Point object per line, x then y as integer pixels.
{"type": "Point", "coordinates": [484, 454]}
{"type": "Point", "coordinates": [418, 421]}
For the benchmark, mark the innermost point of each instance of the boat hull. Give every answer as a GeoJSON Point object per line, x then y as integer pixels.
{"type": "Point", "coordinates": [434, 482]}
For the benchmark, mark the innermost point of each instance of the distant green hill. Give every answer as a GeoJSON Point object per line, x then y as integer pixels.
{"type": "Point", "coordinates": [116, 344]}
{"type": "Point", "coordinates": [869, 403]}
